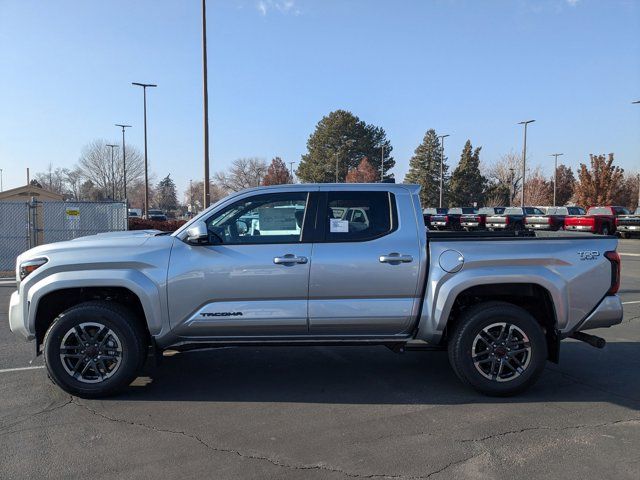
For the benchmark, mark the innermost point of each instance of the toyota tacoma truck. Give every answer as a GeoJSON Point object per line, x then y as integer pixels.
{"type": "Point", "coordinates": [553, 218]}
{"type": "Point", "coordinates": [283, 265]}
{"type": "Point", "coordinates": [600, 220]}
{"type": "Point", "coordinates": [628, 226]}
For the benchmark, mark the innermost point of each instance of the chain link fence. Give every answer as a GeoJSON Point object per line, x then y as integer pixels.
{"type": "Point", "coordinates": [25, 225]}
{"type": "Point", "coordinates": [14, 234]}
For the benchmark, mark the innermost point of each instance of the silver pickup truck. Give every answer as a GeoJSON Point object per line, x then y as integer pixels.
{"type": "Point", "coordinates": [347, 264]}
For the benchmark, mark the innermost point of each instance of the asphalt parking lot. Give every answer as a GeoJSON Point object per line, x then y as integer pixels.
{"type": "Point", "coordinates": [331, 413]}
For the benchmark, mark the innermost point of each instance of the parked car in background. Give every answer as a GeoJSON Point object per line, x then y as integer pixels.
{"type": "Point", "coordinates": [478, 220]}
{"type": "Point", "coordinates": [600, 220]}
{"type": "Point", "coordinates": [451, 219]}
{"type": "Point", "coordinates": [157, 215]}
{"type": "Point", "coordinates": [134, 213]}
{"type": "Point", "coordinates": [629, 225]}
{"type": "Point", "coordinates": [513, 218]}
{"type": "Point", "coordinates": [427, 213]}
{"type": "Point", "coordinates": [553, 219]}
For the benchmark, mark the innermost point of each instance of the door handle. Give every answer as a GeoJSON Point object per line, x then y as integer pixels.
{"type": "Point", "coordinates": [289, 259]}
{"type": "Point", "coordinates": [395, 258]}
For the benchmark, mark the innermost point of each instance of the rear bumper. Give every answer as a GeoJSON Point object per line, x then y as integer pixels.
{"type": "Point", "coordinates": [16, 319]}
{"type": "Point", "coordinates": [628, 228]}
{"type": "Point", "coordinates": [608, 313]}
{"type": "Point", "coordinates": [580, 228]}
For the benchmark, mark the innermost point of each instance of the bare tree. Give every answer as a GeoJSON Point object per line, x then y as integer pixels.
{"type": "Point", "coordinates": [95, 165]}
{"type": "Point", "coordinates": [244, 173]}
{"type": "Point", "coordinates": [193, 195]}
{"type": "Point", "coordinates": [538, 190]}
{"type": "Point", "coordinates": [54, 180]}
{"type": "Point", "coordinates": [507, 171]}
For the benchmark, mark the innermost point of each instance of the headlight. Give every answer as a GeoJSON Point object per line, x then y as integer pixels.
{"type": "Point", "coordinates": [29, 266]}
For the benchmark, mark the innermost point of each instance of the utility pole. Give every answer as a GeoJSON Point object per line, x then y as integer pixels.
{"type": "Point", "coordinates": [382, 164]}
{"type": "Point", "coordinates": [1, 185]}
{"type": "Point", "coordinates": [291, 171]}
{"type": "Point", "coordinates": [146, 174]}
{"type": "Point", "coordinates": [442, 137]}
{"type": "Point", "coordinates": [524, 158]}
{"type": "Point", "coordinates": [113, 174]}
{"type": "Point", "coordinates": [124, 162]}
{"type": "Point", "coordinates": [555, 175]}
{"type": "Point", "coordinates": [336, 154]}
{"type": "Point", "coordinates": [512, 186]}
{"type": "Point", "coordinates": [205, 95]}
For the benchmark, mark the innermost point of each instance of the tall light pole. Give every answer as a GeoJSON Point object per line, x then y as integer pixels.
{"type": "Point", "coordinates": [205, 99]}
{"type": "Point", "coordinates": [124, 162]}
{"type": "Point", "coordinates": [113, 174]}
{"type": "Point", "coordinates": [382, 164]}
{"type": "Point", "coordinates": [1, 186]}
{"type": "Point", "coordinates": [512, 186]}
{"type": "Point", "coordinates": [555, 175]}
{"type": "Point", "coordinates": [291, 170]}
{"type": "Point", "coordinates": [524, 158]}
{"type": "Point", "coordinates": [146, 174]}
{"type": "Point", "coordinates": [336, 154]}
{"type": "Point", "coordinates": [442, 137]}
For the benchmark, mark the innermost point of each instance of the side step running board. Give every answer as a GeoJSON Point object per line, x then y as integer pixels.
{"type": "Point", "coordinates": [592, 340]}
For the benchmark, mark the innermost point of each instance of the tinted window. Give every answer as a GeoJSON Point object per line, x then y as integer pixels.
{"type": "Point", "coordinates": [620, 211]}
{"type": "Point", "coordinates": [434, 211]}
{"type": "Point", "coordinates": [267, 218]}
{"type": "Point", "coordinates": [460, 211]}
{"type": "Point", "coordinates": [359, 216]}
{"type": "Point", "coordinates": [599, 211]}
{"type": "Point", "coordinates": [575, 211]}
{"type": "Point", "coordinates": [533, 211]}
{"type": "Point", "coordinates": [513, 211]}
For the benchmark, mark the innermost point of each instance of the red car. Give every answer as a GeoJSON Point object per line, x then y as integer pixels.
{"type": "Point", "coordinates": [600, 220]}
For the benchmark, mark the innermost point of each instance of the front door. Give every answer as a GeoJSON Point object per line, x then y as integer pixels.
{"type": "Point", "coordinates": [364, 274]}
{"type": "Point", "coordinates": [254, 281]}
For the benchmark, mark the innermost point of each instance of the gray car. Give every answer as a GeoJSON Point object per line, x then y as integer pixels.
{"type": "Point", "coordinates": [345, 264]}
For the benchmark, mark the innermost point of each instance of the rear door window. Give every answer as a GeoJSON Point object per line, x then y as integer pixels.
{"type": "Point", "coordinates": [359, 216]}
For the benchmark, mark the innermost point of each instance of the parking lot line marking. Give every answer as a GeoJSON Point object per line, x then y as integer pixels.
{"type": "Point", "coordinates": [629, 303]}
{"type": "Point", "coordinates": [630, 254]}
{"type": "Point", "coordinates": [19, 369]}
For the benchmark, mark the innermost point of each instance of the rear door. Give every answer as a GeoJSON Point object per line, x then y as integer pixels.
{"type": "Point", "coordinates": [364, 273]}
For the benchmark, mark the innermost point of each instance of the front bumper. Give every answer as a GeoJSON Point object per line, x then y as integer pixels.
{"type": "Point", "coordinates": [16, 317]}
{"type": "Point", "coordinates": [608, 313]}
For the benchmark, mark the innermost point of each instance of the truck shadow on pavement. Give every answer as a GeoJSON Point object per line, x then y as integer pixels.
{"type": "Point", "coordinates": [375, 375]}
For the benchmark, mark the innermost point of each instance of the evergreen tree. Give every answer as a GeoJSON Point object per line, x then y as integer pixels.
{"type": "Point", "coordinates": [467, 183]}
{"type": "Point", "coordinates": [338, 144]}
{"type": "Point", "coordinates": [424, 169]}
{"type": "Point", "coordinates": [166, 196]}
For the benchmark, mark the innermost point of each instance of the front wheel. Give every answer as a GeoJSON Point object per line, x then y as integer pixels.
{"type": "Point", "coordinates": [94, 349]}
{"type": "Point", "coordinates": [497, 348]}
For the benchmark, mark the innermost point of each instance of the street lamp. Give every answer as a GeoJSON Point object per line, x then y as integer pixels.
{"type": "Point", "coordinates": [524, 158]}
{"type": "Point", "coordinates": [291, 170]}
{"type": "Point", "coordinates": [512, 186]}
{"type": "Point", "coordinates": [442, 137]}
{"type": "Point", "coordinates": [382, 164]}
{"type": "Point", "coordinates": [205, 101]}
{"type": "Point", "coordinates": [637, 101]}
{"type": "Point", "coordinates": [113, 174]}
{"type": "Point", "coordinates": [124, 162]}
{"type": "Point", "coordinates": [146, 176]}
{"type": "Point", "coordinates": [555, 175]}
{"type": "Point", "coordinates": [1, 186]}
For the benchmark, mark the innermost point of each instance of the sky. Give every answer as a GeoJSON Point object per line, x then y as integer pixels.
{"type": "Point", "coordinates": [472, 69]}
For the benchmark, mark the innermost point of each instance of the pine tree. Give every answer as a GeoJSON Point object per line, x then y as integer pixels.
{"type": "Point", "coordinates": [467, 183]}
{"type": "Point", "coordinates": [424, 169]}
{"type": "Point", "coordinates": [166, 196]}
{"type": "Point", "coordinates": [338, 144]}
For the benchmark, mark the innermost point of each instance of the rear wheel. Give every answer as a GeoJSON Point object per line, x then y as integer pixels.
{"type": "Point", "coordinates": [94, 349]}
{"type": "Point", "coordinates": [497, 348]}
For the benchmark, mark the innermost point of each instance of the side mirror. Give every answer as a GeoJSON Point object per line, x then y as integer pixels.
{"type": "Point", "coordinates": [198, 234]}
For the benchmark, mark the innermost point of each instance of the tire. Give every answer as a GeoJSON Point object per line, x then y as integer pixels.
{"type": "Point", "coordinates": [464, 342]}
{"type": "Point", "coordinates": [110, 333]}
